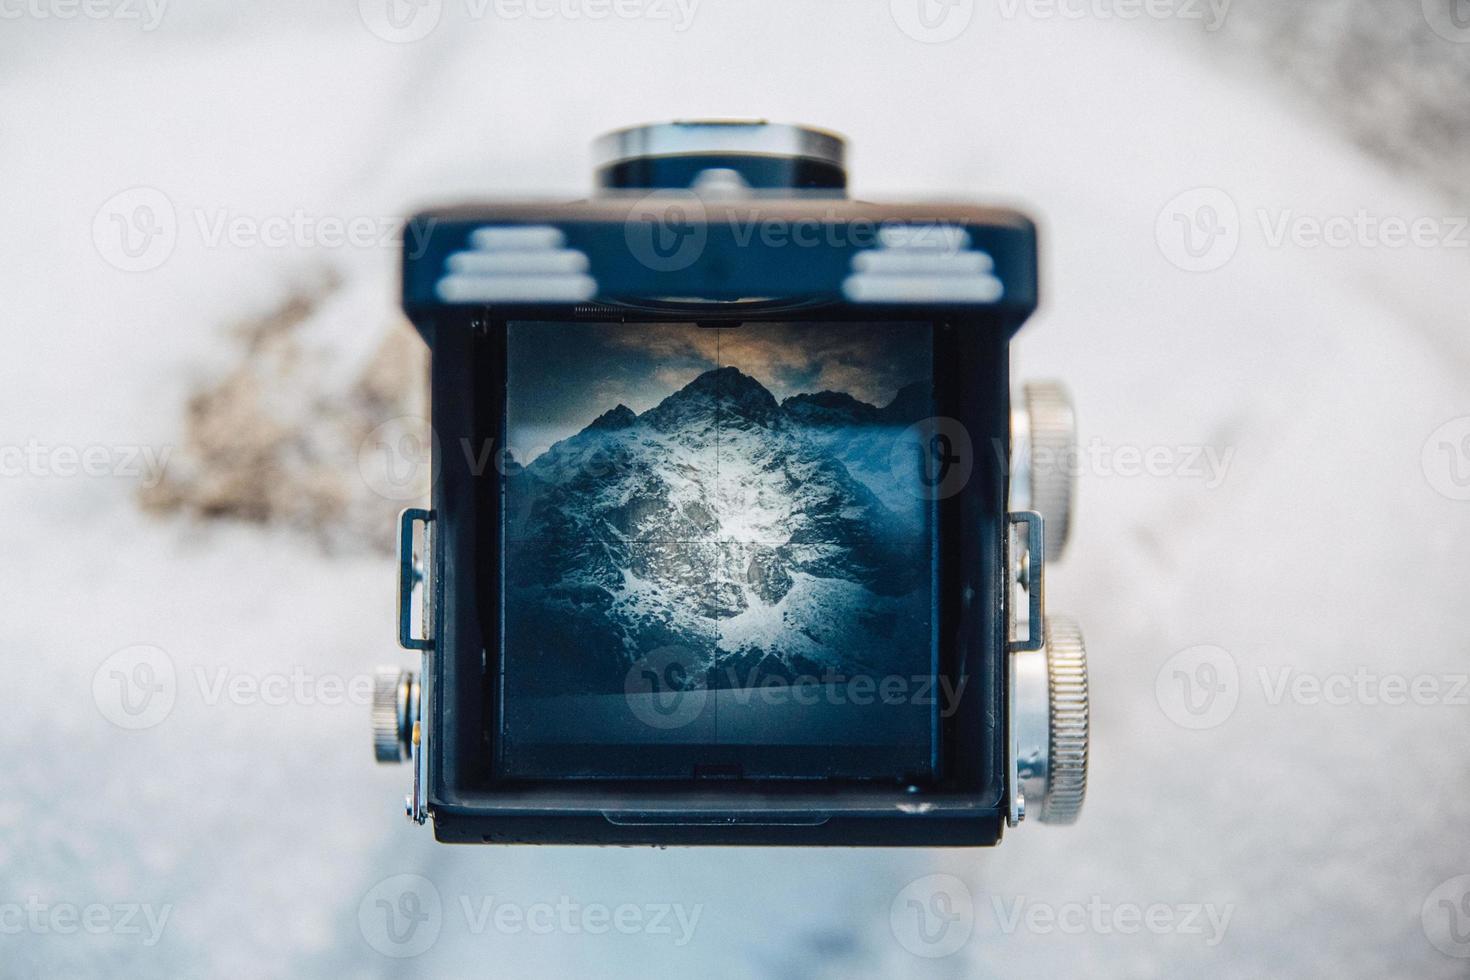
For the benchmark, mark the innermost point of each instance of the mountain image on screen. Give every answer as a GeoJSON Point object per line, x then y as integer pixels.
{"type": "Point", "coordinates": [763, 539]}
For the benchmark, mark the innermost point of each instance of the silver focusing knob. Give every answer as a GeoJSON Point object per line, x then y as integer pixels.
{"type": "Point", "coordinates": [1044, 444]}
{"type": "Point", "coordinates": [395, 713]}
{"type": "Point", "coordinates": [1051, 724]}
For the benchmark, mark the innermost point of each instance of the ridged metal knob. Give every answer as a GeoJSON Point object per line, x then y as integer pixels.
{"type": "Point", "coordinates": [1052, 459]}
{"type": "Point", "coordinates": [1066, 669]}
{"type": "Point", "coordinates": [1050, 725]}
{"type": "Point", "coordinates": [395, 710]}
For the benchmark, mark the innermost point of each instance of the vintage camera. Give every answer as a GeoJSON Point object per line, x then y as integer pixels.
{"type": "Point", "coordinates": [737, 535]}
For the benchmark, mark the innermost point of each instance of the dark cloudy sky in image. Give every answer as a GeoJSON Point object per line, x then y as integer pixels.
{"type": "Point", "coordinates": [562, 376]}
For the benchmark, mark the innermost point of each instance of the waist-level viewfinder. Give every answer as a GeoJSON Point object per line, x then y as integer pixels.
{"type": "Point", "coordinates": [736, 533]}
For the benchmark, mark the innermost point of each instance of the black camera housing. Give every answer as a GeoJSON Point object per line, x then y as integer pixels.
{"type": "Point", "coordinates": [763, 251]}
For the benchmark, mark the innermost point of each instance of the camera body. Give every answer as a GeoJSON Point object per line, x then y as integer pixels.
{"type": "Point", "coordinates": [736, 536]}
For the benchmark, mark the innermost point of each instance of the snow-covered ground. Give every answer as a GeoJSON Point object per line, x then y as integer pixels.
{"type": "Point", "coordinates": [1238, 824]}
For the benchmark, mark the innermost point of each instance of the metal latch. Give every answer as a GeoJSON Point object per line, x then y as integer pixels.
{"type": "Point", "coordinates": [415, 566]}
{"type": "Point", "coordinates": [1029, 570]}
{"type": "Point", "coordinates": [1033, 580]}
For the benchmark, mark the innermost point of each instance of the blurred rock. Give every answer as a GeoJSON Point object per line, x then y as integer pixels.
{"type": "Point", "coordinates": [279, 438]}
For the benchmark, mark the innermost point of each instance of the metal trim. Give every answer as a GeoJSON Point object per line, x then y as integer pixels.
{"type": "Point", "coordinates": [719, 136]}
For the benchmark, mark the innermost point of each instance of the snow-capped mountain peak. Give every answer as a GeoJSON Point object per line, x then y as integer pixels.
{"type": "Point", "coordinates": [723, 522]}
